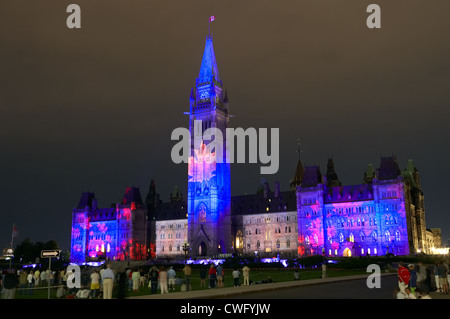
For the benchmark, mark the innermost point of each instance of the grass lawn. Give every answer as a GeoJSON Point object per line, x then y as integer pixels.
{"type": "Point", "coordinates": [277, 275]}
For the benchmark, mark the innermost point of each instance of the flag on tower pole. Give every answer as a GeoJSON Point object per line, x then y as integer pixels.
{"type": "Point", "coordinates": [211, 19]}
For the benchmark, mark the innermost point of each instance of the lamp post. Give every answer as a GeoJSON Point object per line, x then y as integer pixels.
{"type": "Point", "coordinates": [185, 249]}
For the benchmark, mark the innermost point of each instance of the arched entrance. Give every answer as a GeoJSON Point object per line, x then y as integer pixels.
{"type": "Point", "coordinates": [347, 252]}
{"type": "Point", "coordinates": [202, 249]}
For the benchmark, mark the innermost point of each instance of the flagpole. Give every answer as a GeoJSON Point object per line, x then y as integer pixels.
{"type": "Point", "coordinates": [12, 235]}
{"type": "Point", "coordinates": [211, 18]}
{"type": "Point", "coordinates": [12, 241]}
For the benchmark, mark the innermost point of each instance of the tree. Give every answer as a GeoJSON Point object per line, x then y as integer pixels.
{"type": "Point", "coordinates": [28, 252]}
{"type": "Point", "coordinates": [24, 252]}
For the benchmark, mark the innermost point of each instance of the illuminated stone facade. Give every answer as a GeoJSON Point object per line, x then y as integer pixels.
{"type": "Point", "coordinates": [115, 233]}
{"type": "Point", "coordinates": [383, 215]}
{"type": "Point", "coordinates": [318, 215]}
{"type": "Point", "coordinates": [263, 224]}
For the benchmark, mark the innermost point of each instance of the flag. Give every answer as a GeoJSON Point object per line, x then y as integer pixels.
{"type": "Point", "coordinates": [211, 19]}
{"type": "Point", "coordinates": [15, 233]}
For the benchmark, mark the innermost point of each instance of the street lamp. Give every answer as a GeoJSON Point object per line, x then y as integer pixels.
{"type": "Point", "coordinates": [185, 249]}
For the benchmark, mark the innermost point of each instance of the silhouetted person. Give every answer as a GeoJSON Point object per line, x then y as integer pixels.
{"type": "Point", "coordinates": [122, 285]}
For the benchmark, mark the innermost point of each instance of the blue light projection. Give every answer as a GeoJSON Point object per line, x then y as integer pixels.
{"type": "Point", "coordinates": [352, 221]}
{"type": "Point", "coordinates": [107, 233]}
{"type": "Point", "coordinates": [209, 187]}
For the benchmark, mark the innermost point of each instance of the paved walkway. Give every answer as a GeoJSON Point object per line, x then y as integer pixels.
{"type": "Point", "coordinates": [231, 291]}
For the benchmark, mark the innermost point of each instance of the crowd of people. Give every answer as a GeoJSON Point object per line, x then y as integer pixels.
{"type": "Point", "coordinates": [99, 282]}
{"type": "Point", "coordinates": [165, 280]}
{"type": "Point", "coordinates": [26, 281]}
{"type": "Point", "coordinates": [414, 281]}
{"type": "Point", "coordinates": [417, 281]}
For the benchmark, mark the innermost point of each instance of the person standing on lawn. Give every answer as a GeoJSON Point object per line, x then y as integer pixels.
{"type": "Point", "coordinates": [236, 276]}
{"type": "Point", "coordinates": [246, 274]}
{"type": "Point", "coordinates": [219, 271]}
{"type": "Point", "coordinates": [212, 276]}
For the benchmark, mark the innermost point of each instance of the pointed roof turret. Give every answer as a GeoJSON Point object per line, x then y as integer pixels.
{"type": "Point", "coordinates": [411, 173]}
{"type": "Point", "coordinates": [86, 200]}
{"type": "Point", "coordinates": [389, 168]}
{"type": "Point", "coordinates": [209, 70]}
{"type": "Point", "coordinates": [298, 176]}
{"type": "Point", "coordinates": [132, 194]}
{"type": "Point", "coordinates": [299, 171]}
{"type": "Point", "coordinates": [332, 178]}
{"type": "Point", "coordinates": [369, 174]}
{"type": "Point", "coordinates": [312, 176]}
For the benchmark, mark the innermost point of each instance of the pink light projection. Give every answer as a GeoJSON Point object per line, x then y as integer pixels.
{"type": "Point", "coordinates": [343, 226]}
{"type": "Point", "coordinates": [202, 165]}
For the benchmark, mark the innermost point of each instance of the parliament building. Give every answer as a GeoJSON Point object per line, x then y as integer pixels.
{"type": "Point", "coordinates": [317, 215]}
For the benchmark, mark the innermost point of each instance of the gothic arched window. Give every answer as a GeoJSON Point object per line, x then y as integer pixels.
{"type": "Point", "coordinates": [351, 238]}
{"type": "Point", "coordinates": [374, 236]}
{"type": "Point", "coordinates": [397, 236]}
{"type": "Point", "coordinates": [387, 236]}
{"type": "Point", "coordinates": [239, 239]}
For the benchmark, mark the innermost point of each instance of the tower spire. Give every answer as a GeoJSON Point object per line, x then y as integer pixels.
{"type": "Point", "coordinates": [208, 69]}
{"type": "Point", "coordinates": [209, 187]}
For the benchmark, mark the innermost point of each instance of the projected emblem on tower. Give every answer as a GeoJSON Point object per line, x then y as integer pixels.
{"type": "Point", "coordinates": [209, 219]}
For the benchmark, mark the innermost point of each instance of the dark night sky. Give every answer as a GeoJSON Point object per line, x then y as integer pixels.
{"type": "Point", "coordinates": [93, 109]}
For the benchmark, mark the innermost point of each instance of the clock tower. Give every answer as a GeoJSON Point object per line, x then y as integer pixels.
{"type": "Point", "coordinates": [209, 189]}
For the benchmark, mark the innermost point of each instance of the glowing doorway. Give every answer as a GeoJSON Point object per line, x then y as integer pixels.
{"type": "Point", "coordinates": [202, 250]}
{"type": "Point", "coordinates": [347, 252]}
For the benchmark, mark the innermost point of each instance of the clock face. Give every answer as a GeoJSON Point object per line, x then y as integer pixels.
{"type": "Point", "coordinates": [204, 95]}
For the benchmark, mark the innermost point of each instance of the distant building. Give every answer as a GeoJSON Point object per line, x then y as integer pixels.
{"type": "Point", "coordinates": [434, 240]}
